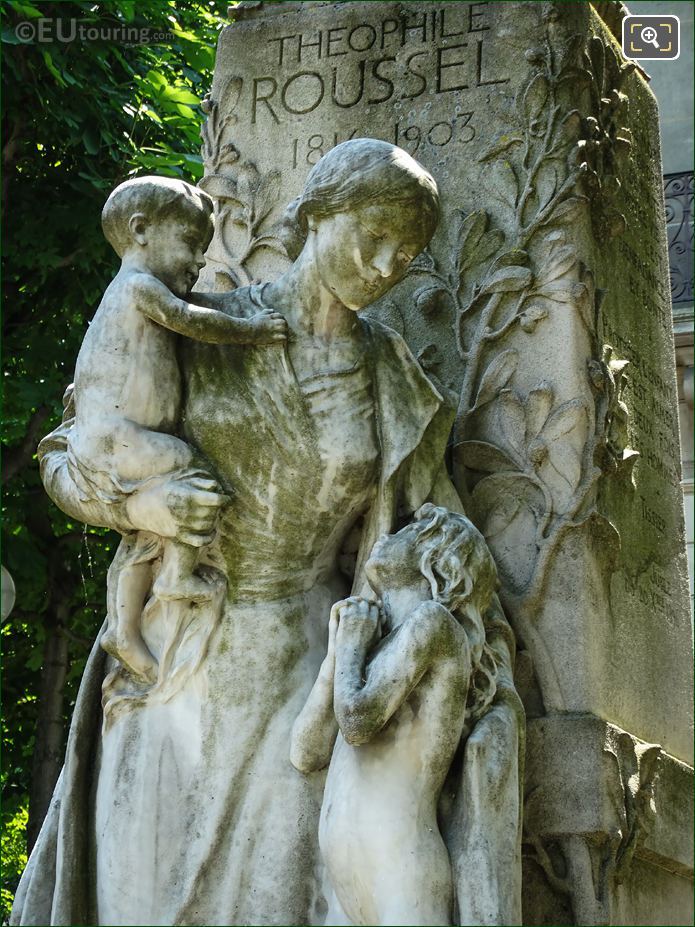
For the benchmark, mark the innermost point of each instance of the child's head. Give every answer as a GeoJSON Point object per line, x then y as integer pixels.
{"type": "Point", "coordinates": [163, 226]}
{"type": "Point", "coordinates": [446, 550]}
{"type": "Point", "coordinates": [159, 200]}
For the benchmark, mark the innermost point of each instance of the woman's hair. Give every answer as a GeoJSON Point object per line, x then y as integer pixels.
{"type": "Point", "coordinates": [456, 562]}
{"type": "Point", "coordinates": [156, 198]}
{"type": "Point", "coordinates": [357, 173]}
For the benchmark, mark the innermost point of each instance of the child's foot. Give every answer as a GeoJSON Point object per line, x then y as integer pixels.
{"type": "Point", "coordinates": [132, 653]}
{"type": "Point", "coordinates": [169, 589]}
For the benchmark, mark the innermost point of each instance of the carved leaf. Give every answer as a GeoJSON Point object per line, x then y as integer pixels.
{"type": "Point", "coordinates": [479, 455]}
{"type": "Point", "coordinates": [508, 280]}
{"type": "Point", "coordinates": [219, 186]}
{"type": "Point", "coordinates": [267, 194]}
{"type": "Point", "coordinates": [429, 356]}
{"type": "Point", "coordinates": [506, 188]}
{"type": "Point", "coordinates": [569, 209]}
{"type": "Point", "coordinates": [488, 245]}
{"type": "Point", "coordinates": [431, 299]}
{"type": "Point", "coordinates": [467, 232]}
{"type": "Point", "coordinates": [502, 144]}
{"type": "Point", "coordinates": [597, 58]}
{"type": "Point", "coordinates": [568, 421]}
{"type": "Point", "coordinates": [231, 91]}
{"type": "Point", "coordinates": [498, 373]}
{"type": "Point", "coordinates": [497, 500]}
{"type": "Point", "coordinates": [562, 260]}
{"type": "Point", "coordinates": [579, 77]}
{"type": "Point", "coordinates": [563, 291]}
{"type": "Point", "coordinates": [512, 421]}
{"type": "Point", "coordinates": [423, 263]}
{"type": "Point", "coordinates": [571, 49]}
{"type": "Point", "coordinates": [535, 97]}
{"type": "Point", "coordinates": [515, 257]}
{"type": "Point", "coordinates": [538, 405]}
{"type": "Point", "coordinates": [546, 184]}
{"type": "Point", "coordinates": [247, 182]}
{"type": "Point", "coordinates": [530, 317]}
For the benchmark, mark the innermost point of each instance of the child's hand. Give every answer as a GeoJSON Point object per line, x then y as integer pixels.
{"type": "Point", "coordinates": [358, 618]}
{"type": "Point", "coordinates": [267, 327]}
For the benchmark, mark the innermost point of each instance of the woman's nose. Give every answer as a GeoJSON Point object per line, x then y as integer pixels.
{"type": "Point", "coordinates": [384, 261]}
{"type": "Point", "coordinates": [200, 260]}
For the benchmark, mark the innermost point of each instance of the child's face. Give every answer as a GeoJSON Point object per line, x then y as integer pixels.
{"type": "Point", "coordinates": [395, 561]}
{"type": "Point", "coordinates": [175, 249]}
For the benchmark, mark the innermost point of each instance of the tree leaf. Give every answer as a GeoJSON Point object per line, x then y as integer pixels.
{"type": "Point", "coordinates": [219, 186]}
{"type": "Point", "coordinates": [488, 245]}
{"type": "Point", "coordinates": [506, 188]}
{"type": "Point", "coordinates": [560, 262]}
{"type": "Point", "coordinates": [502, 144]}
{"type": "Point", "coordinates": [267, 194]}
{"type": "Point", "coordinates": [538, 404]}
{"type": "Point", "coordinates": [515, 257]}
{"type": "Point", "coordinates": [568, 209]}
{"type": "Point", "coordinates": [508, 280]}
{"type": "Point", "coordinates": [535, 97]}
{"type": "Point", "coordinates": [480, 455]}
{"type": "Point", "coordinates": [497, 499]}
{"type": "Point", "coordinates": [511, 420]}
{"type": "Point", "coordinates": [497, 374]}
{"type": "Point", "coordinates": [466, 233]}
{"type": "Point", "coordinates": [563, 291]}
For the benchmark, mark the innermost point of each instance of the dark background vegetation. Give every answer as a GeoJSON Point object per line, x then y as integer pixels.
{"type": "Point", "coordinates": [77, 119]}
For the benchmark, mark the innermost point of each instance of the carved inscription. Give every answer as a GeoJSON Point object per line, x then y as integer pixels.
{"type": "Point", "coordinates": [390, 59]}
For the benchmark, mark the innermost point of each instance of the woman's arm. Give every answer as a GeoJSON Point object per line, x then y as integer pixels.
{"type": "Point", "coordinates": [366, 697]}
{"type": "Point", "coordinates": [315, 729]}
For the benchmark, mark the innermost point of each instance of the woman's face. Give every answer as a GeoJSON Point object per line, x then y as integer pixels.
{"type": "Point", "coordinates": [361, 254]}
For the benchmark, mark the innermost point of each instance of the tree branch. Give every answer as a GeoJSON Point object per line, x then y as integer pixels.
{"type": "Point", "coordinates": [16, 458]}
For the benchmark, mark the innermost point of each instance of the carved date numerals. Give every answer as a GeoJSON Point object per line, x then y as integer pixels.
{"type": "Point", "coordinates": [437, 134]}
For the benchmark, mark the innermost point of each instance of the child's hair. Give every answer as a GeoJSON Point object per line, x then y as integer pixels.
{"type": "Point", "coordinates": [456, 562]}
{"type": "Point", "coordinates": [156, 198]}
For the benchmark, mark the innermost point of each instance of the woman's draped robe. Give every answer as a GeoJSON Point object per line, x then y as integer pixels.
{"type": "Point", "coordinates": [192, 813]}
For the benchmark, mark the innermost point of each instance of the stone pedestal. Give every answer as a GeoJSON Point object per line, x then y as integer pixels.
{"type": "Point", "coordinates": [542, 311]}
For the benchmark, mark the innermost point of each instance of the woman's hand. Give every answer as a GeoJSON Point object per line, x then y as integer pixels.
{"type": "Point", "coordinates": [185, 507]}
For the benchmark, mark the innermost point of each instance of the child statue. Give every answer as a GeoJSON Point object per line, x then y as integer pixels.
{"type": "Point", "coordinates": [128, 385]}
{"type": "Point", "coordinates": [402, 702]}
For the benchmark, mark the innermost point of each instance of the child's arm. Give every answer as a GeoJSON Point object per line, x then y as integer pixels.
{"type": "Point", "coordinates": [366, 697]}
{"type": "Point", "coordinates": [209, 325]}
{"type": "Point", "coordinates": [315, 729]}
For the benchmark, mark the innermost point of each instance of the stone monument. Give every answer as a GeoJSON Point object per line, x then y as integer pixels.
{"type": "Point", "coordinates": [541, 309]}
{"type": "Point", "coordinates": [483, 180]}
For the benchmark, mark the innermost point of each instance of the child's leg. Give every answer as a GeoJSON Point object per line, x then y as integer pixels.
{"type": "Point", "coordinates": [177, 579]}
{"type": "Point", "coordinates": [129, 451]}
{"type": "Point", "coordinates": [124, 640]}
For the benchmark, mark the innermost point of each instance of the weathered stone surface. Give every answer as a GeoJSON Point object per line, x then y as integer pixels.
{"type": "Point", "coordinates": [541, 307]}
{"type": "Point", "coordinates": [538, 163]}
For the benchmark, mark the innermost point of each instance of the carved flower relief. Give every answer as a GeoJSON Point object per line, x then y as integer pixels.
{"type": "Point", "coordinates": [608, 378]}
{"type": "Point", "coordinates": [605, 141]}
{"type": "Point", "coordinates": [243, 196]}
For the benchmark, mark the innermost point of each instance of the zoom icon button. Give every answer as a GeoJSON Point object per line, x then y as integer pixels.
{"type": "Point", "coordinates": [651, 38]}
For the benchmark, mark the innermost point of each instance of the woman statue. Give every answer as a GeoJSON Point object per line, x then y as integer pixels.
{"type": "Point", "coordinates": [181, 805]}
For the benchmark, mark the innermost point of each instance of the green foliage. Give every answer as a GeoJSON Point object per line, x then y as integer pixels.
{"type": "Point", "coordinates": [14, 857]}
{"type": "Point", "coordinates": [78, 118]}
